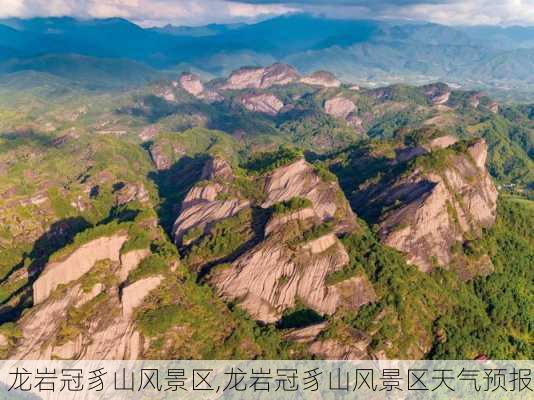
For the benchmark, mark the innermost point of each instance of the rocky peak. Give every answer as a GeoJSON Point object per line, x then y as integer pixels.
{"type": "Point", "coordinates": [217, 168]}
{"type": "Point", "coordinates": [278, 75]}
{"type": "Point", "coordinates": [192, 84]}
{"type": "Point", "coordinates": [339, 107]}
{"type": "Point", "coordinates": [300, 179]}
{"type": "Point", "coordinates": [437, 93]}
{"type": "Point", "coordinates": [261, 78]}
{"type": "Point", "coordinates": [425, 212]}
{"type": "Point", "coordinates": [321, 78]}
{"type": "Point", "coordinates": [209, 201]}
{"type": "Point", "coordinates": [265, 103]}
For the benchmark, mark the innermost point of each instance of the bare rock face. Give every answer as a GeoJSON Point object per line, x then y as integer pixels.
{"type": "Point", "coordinates": [192, 84]}
{"type": "Point", "coordinates": [261, 78]}
{"type": "Point", "coordinates": [130, 261]}
{"type": "Point", "coordinates": [278, 75]}
{"type": "Point", "coordinates": [76, 265]}
{"type": "Point", "coordinates": [206, 203]}
{"type": "Point", "coordinates": [131, 192]}
{"type": "Point", "coordinates": [161, 156]}
{"type": "Point", "coordinates": [265, 103]}
{"type": "Point", "coordinates": [300, 179]}
{"type": "Point", "coordinates": [271, 277]}
{"type": "Point", "coordinates": [332, 349]}
{"type": "Point", "coordinates": [430, 210]}
{"type": "Point", "coordinates": [134, 294]}
{"type": "Point", "coordinates": [339, 107]}
{"type": "Point", "coordinates": [441, 142]}
{"type": "Point", "coordinates": [107, 336]}
{"type": "Point", "coordinates": [307, 334]}
{"type": "Point", "coordinates": [217, 168]}
{"type": "Point", "coordinates": [321, 78]}
{"type": "Point", "coordinates": [276, 272]}
{"type": "Point", "coordinates": [438, 93]}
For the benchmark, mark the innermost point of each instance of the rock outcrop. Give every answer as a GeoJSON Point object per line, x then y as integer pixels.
{"type": "Point", "coordinates": [331, 349]}
{"type": "Point", "coordinates": [130, 261]}
{"type": "Point", "coordinates": [104, 335]}
{"type": "Point", "coordinates": [134, 294]}
{"type": "Point", "coordinates": [339, 107]}
{"type": "Point", "coordinates": [75, 265]}
{"type": "Point", "coordinates": [428, 210]}
{"type": "Point", "coordinates": [437, 93]}
{"type": "Point", "coordinates": [300, 179]}
{"type": "Point", "coordinates": [261, 78]}
{"type": "Point", "coordinates": [53, 328]}
{"type": "Point", "coordinates": [192, 84]}
{"type": "Point", "coordinates": [265, 103]}
{"type": "Point", "coordinates": [271, 277]}
{"type": "Point", "coordinates": [209, 201]}
{"type": "Point", "coordinates": [321, 78]}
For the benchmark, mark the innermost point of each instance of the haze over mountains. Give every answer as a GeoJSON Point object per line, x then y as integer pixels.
{"type": "Point", "coordinates": [117, 53]}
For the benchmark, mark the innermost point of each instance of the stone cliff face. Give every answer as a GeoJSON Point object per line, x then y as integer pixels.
{"type": "Point", "coordinates": [192, 84]}
{"type": "Point", "coordinates": [76, 265]}
{"type": "Point", "coordinates": [68, 322]}
{"type": "Point", "coordinates": [299, 179]}
{"type": "Point", "coordinates": [438, 93]}
{"type": "Point", "coordinates": [321, 78]}
{"type": "Point", "coordinates": [261, 78]}
{"type": "Point", "coordinates": [209, 201]}
{"type": "Point", "coordinates": [339, 107]}
{"type": "Point", "coordinates": [284, 268]}
{"type": "Point", "coordinates": [265, 103]}
{"type": "Point", "coordinates": [425, 212]}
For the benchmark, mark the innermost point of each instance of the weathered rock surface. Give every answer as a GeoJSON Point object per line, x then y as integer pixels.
{"type": "Point", "coordinates": [441, 142]}
{"type": "Point", "coordinates": [261, 78]}
{"type": "Point", "coordinates": [339, 107]}
{"type": "Point", "coordinates": [438, 93]}
{"type": "Point", "coordinates": [332, 349]}
{"type": "Point", "coordinates": [130, 261]}
{"type": "Point", "coordinates": [265, 103]}
{"type": "Point", "coordinates": [321, 78]}
{"type": "Point", "coordinates": [192, 84]}
{"type": "Point", "coordinates": [134, 294]}
{"type": "Point", "coordinates": [76, 265]}
{"type": "Point", "coordinates": [270, 278]}
{"type": "Point", "coordinates": [108, 336]}
{"type": "Point", "coordinates": [307, 334]}
{"type": "Point", "coordinates": [430, 210]}
{"type": "Point", "coordinates": [300, 179]}
{"type": "Point", "coordinates": [202, 205]}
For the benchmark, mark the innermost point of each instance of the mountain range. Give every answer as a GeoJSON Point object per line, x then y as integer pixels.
{"type": "Point", "coordinates": [108, 53]}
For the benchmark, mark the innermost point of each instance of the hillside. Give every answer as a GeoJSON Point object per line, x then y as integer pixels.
{"type": "Point", "coordinates": [266, 214]}
{"type": "Point", "coordinates": [363, 51]}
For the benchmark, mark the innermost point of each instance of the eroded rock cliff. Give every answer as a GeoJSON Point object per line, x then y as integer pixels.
{"type": "Point", "coordinates": [444, 198]}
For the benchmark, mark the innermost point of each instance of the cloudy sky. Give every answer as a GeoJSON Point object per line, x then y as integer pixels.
{"type": "Point", "coordinates": [198, 12]}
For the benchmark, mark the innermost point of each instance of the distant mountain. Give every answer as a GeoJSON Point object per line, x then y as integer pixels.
{"type": "Point", "coordinates": [360, 50]}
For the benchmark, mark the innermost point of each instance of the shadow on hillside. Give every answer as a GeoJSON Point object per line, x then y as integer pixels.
{"type": "Point", "coordinates": [260, 217]}
{"type": "Point", "coordinates": [173, 185]}
{"type": "Point", "coordinates": [59, 235]}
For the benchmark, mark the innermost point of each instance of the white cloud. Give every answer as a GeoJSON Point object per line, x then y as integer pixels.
{"type": "Point", "coordinates": [473, 12]}
{"type": "Point", "coordinates": [146, 12]}
{"type": "Point", "coordinates": [197, 12]}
